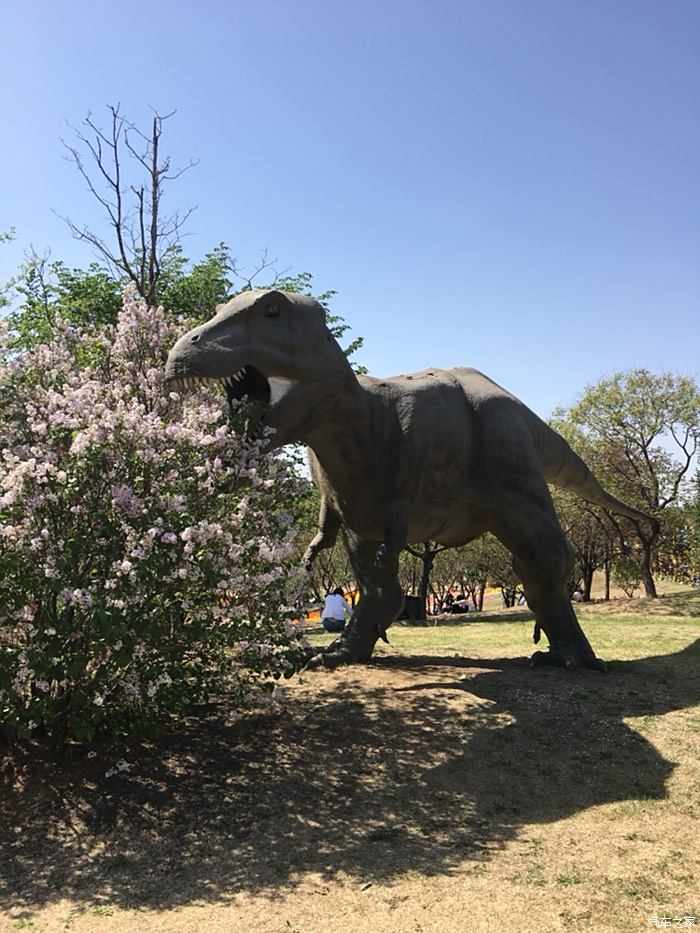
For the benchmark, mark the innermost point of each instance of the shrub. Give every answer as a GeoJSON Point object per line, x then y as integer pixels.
{"type": "Point", "coordinates": [144, 546]}
{"type": "Point", "coordinates": [626, 574]}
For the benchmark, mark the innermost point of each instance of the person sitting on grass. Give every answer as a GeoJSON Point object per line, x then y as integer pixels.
{"type": "Point", "coordinates": [334, 611]}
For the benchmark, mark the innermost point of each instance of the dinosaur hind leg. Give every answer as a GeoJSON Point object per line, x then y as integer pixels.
{"type": "Point", "coordinates": [381, 599]}
{"type": "Point", "coordinates": [542, 558]}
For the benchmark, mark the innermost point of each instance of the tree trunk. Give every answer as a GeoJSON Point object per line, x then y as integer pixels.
{"type": "Point", "coordinates": [427, 558]}
{"type": "Point", "coordinates": [482, 590]}
{"type": "Point", "coordinates": [645, 568]}
{"type": "Point", "coordinates": [606, 569]}
{"type": "Point", "coordinates": [588, 571]}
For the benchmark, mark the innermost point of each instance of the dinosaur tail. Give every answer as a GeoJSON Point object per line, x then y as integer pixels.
{"type": "Point", "coordinates": [565, 469]}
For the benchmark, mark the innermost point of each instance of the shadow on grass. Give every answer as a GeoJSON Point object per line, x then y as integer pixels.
{"type": "Point", "coordinates": [414, 764]}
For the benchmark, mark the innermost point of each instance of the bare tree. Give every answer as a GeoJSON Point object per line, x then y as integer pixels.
{"type": "Point", "coordinates": [426, 556]}
{"type": "Point", "coordinates": [590, 533]}
{"type": "Point", "coordinates": [128, 177]}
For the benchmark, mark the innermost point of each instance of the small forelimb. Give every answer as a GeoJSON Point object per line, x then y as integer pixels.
{"type": "Point", "coordinates": [326, 536]}
{"type": "Point", "coordinates": [395, 524]}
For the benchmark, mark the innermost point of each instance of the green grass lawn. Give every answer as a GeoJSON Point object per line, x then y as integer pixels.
{"type": "Point", "coordinates": [621, 629]}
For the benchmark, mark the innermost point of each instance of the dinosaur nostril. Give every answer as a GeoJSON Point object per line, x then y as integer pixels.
{"type": "Point", "coordinates": [196, 338]}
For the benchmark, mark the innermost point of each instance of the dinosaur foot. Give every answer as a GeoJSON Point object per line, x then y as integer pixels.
{"type": "Point", "coordinates": [331, 656]}
{"type": "Point", "coordinates": [569, 658]}
{"type": "Point", "coordinates": [324, 661]}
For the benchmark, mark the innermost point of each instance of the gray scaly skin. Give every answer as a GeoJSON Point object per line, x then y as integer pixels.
{"type": "Point", "coordinates": [439, 455]}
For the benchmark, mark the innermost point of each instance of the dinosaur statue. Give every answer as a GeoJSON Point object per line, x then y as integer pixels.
{"type": "Point", "coordinates": [439, 455]}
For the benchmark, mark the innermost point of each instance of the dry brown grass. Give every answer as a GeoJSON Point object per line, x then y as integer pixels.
{"type": "Point", "coordinates": [445, 786]}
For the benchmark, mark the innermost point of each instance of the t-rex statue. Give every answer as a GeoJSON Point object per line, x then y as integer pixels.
{"type": "Point", "coordinates": [439, 455]}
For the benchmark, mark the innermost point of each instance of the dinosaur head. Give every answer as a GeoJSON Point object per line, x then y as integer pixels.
{"type": "Point", "coordinates": [272, 348]}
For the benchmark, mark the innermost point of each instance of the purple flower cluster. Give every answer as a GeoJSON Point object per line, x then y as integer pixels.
{"type": "Point", "coordinates": [137, 577]}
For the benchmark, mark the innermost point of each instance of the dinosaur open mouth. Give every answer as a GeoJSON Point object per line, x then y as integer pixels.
{"type": "Point", "coordinates": [248, 383]}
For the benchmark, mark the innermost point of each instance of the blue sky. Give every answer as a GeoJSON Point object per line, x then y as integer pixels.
{"type": "Point", "coordinates": [507, 184]}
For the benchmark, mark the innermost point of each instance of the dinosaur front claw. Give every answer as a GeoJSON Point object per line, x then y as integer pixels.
{"type": "Point", "coordinates": [307, 561]}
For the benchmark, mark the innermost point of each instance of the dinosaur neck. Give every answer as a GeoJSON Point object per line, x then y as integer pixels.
{"type": "Point", "coordinates": [345, 411]}
{"type": "Point", "coordinates": [314, 398]}
{"type": "Point", "coordinates": [341, 439]}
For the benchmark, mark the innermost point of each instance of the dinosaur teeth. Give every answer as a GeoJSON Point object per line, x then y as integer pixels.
{"type": "Point", "coordinates": [232, 380]}
{"type": "Point", "coordinates": [182, 383]}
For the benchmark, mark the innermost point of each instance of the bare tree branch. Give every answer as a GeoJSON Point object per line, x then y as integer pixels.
{"type": "Point", "coordinates": [142, 236]}
{"type": "Point", "coordinates": [263, 265]}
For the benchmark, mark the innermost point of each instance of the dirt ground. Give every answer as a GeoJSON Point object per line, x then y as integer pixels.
{"type": "Point", "coordinates": [450, 790]}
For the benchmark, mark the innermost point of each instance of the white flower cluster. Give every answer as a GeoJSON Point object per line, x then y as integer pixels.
{"type": "Point", "coordinates": [131, 575]}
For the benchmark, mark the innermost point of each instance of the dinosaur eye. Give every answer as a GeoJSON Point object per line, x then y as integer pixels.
{"type": "Point", "coordinates": [272, 311]}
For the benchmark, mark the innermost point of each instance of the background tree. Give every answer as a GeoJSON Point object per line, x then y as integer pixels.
{"type": "Point", "coordinates": [694, 530]}
{"type": "Point", "coordinates": [448, 573]}
{"type": "Point", "coordinates": [5, 237]}
{"type": "Point", "coordinates": [409, 573]}
{"type": "Point", "coordinates": [626, 574]}
{"type": "Point", "coordinates": [646, 428]}
{"type": "Point", "coordinates": [590, 536]}
{"type": "Point", "coordinates": [424, 555]}
{"type": "Point", "coordinates": [673, 555]}
{"type": "Point", "coordinates": [501, 572]}
{"type": "Point", "coordinates": [44, 290]}
{"type": "Point", "coordinates": [468, 569]}
{"type": "Point", "coordinates": [127, 173]}
{"type": "Point", "coordinates": [481, 563]}
{"type": "Point", "coordinates": [591, 532]}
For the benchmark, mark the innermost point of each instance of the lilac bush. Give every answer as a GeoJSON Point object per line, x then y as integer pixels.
{"type": "Point", "coordinates": [145, 548]}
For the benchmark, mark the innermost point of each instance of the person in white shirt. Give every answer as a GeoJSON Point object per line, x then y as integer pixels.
{"type": "Point", "coordinates": [334, 611]}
